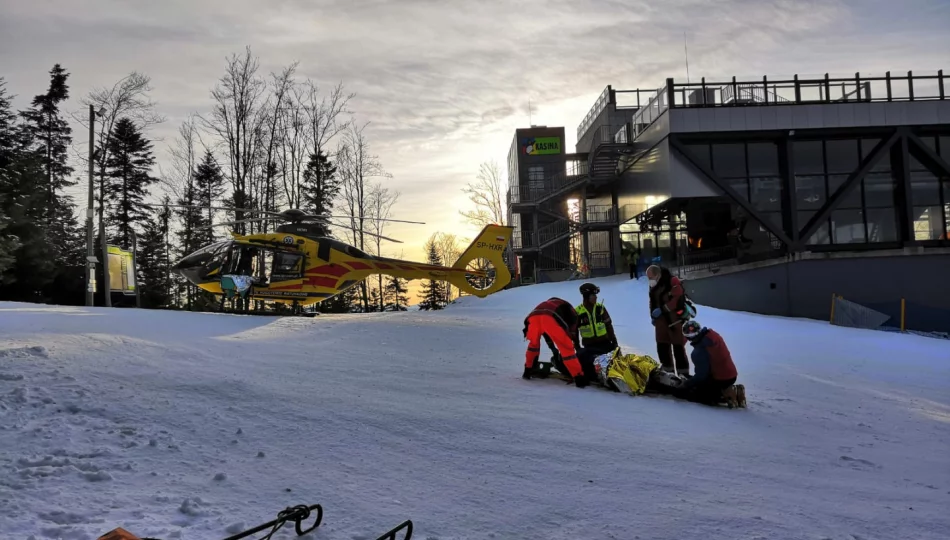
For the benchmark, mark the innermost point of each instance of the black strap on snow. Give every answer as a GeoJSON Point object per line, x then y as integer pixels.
{"type": "Point", "coordinates": [297, 513]}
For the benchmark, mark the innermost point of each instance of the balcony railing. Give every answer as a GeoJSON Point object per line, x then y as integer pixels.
{"type": "Point", "coordinates": [601, 214]}
{"type": "Point", "coordinates": [931, 86]}
{"type": "Point", "coordinates": [529, 194]}
{"type": "Point", "coordinates": [594, 112]}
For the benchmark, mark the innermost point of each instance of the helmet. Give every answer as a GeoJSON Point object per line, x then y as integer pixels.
{"type": "Point", "coordinates": [588, 289]}
{"type": "Point", "coordinates": [691, 329]}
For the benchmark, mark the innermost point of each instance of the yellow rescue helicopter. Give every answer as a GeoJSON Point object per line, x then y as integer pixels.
{"type": "Point", "coordinates": [299, 264]}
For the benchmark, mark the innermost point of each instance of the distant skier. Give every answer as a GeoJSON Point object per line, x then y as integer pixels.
{"type": "Point", "coordinates": [556, 320]}
{"type": "Point", "coordinates": [594, 325]}
{"type": "Point", "coordinates": [666, 299]}
{"type": "Point", "coordinates": [714, 381]}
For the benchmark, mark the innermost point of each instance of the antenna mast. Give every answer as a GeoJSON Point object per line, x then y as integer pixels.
{"type": "Point", "coordinates": [686, 49]}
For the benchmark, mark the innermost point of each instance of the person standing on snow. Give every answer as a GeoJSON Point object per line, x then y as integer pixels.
{"type": "Point", "coordinates": [556, 320]}
{"type": "Point", "coordinates": [666, 299]}
{"type": "Point", "coordinates": [716, 373]}
{"type": "Point", "coordinates": [594, 325]}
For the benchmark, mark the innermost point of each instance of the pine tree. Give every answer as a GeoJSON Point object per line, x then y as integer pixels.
{"type": "Point", "coordinates": [397, 290]}
{"type": "Point", "coordinates": [374, 300]}
{"type": "Point", "coordinates": [152, 264]}
{"type": "Point", "coordinates": [23, 198]}
{"type": "Point", "coordinates": [128, 175]}
{"type": "Point", "coordinates": [341, 303]}
{"type": "Point", "coordinates": [190, 235]}
{"type": "Point", "coordinates": [433, 292]}
{"type": "Point", "coordinates": [9, 243]}
{"type": "Point", "coordinates": [320, 187]}
{"type": "Point", "coordinates": [51, 135]}
{"type": "Point", "coordinates": [209, 185]}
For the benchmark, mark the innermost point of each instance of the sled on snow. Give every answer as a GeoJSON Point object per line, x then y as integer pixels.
{"type": "Point", "coordinates": [298, 514]}
{"type": "Point", "coordinates": [637, 375]}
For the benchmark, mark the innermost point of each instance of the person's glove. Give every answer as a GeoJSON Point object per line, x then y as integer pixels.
{"type": "Point", "coordinates": [527, 373]}
{"type": "Point", "coordinates": [580, 381]}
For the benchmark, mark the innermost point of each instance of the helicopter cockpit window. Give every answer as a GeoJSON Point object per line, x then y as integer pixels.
{"type": "Point", "coordinates": [287, 266]}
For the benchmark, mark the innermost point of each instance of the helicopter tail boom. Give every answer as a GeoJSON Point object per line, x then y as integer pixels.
{"type": "Point", "coordinates": [484, 256]}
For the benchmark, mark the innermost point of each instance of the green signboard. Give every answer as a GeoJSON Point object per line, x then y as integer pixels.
{"type": "Point", "coordinates": [541, 146]}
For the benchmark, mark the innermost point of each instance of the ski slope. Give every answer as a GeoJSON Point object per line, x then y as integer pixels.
{"type": "Point", "coordinates": [197, 426]}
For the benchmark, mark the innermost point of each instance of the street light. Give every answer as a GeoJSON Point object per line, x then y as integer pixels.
{"type": "Point", "coordinates": [90, 253]}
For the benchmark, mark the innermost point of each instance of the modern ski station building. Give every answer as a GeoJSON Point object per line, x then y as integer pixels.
{"type": "Point", "coordinates": [774, 196]}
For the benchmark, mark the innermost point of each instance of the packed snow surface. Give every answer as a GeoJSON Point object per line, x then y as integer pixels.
{"type": "Point", "coordinates": [198, 426]}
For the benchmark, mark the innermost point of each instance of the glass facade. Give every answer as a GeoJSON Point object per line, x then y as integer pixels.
{"type": "Point", "coordinates": [871, 213]}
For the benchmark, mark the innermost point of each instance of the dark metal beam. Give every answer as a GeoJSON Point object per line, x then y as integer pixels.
{"type": "Point", "coordinates": [880, 150]}
{"type": "Point", "coordinates": [786, 162]}
{"type": "Point", "coordinates": [926, 155]}
{"type": "Point", "coordinates": [903, 174]}
{"type": "Point", "coordinates": [731, 193]}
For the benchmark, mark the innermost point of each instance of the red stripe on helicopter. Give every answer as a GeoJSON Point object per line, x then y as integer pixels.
{"type": "Point", "coordinates": [337, 270]}
{"type": "Point", "coordinates": [359, 266]}
{"type": "Point", "coordinates": [317, 281]}
{"type": "Point", "coordinates": [383, 266]}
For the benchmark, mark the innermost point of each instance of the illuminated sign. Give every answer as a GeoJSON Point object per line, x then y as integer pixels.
{"type": "Point", "coordinates": [541, 146]}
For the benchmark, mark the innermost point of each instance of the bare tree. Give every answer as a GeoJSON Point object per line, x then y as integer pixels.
{"type": "Point", "coordinates": [323, 115]}
{"type": "Point", "coordinates": [293, 143]}
{"type": "Point", "coordinates": [487, 196]}
{"type": "Point", "coordinates": [237, 118]}
{"type": "Point", "coordinates": [381, 201]}
{"type": "Point", "coordinates": [357, 166]}
{"type": "Point", "coordinates": [282, 86]}
{"type": "Point", "coordinates": [448, 247]}
{"type": "Point", "coordinates": [127, 98]}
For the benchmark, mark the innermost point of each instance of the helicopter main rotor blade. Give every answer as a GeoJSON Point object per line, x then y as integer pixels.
{"type": "Point", "coordinates": [222, 224]}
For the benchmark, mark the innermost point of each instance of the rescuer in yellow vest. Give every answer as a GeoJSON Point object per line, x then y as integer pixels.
{"type": "Point", "coordinates": [594, 326]}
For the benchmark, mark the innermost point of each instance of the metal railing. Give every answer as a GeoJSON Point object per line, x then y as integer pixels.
{"type": "Point", "coordinates": [595, 110]}
{"type": "Point", "coordinates": [599, 259]}
{"type": "Point", "coordinates": [601, 214]}
{"type": "Point", "coordinates": [820, 89]}
{"type": "Point", "coordinates": [573, 175]}
{"type": "Point", "coordinates": [931, 86]}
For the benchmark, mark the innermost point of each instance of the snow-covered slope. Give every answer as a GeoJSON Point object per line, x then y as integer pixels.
{"type": "Point", "coordinates": [196, 426]}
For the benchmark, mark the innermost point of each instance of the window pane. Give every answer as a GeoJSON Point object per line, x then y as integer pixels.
{"type": "Point", "coordinates": [729, 160]}
{"type": "Point", "coordinates": [924, 189]}
{"type": "Point", "coordinates": [842, 156]}
{"type": "Point", "coordinates": [701, 153]}
{"type": "Point", "coordinates": [852, 199]}
{"type": "Point", "coordinates": [928, 222]}
{"type": "Point", "coordinates": [810, 192]}
{"type": "Point", "coordinates": [929, 142]}
{"type": "Point", "coordinates": [763, 159]}
{"type": "Point", "coordinates": [879, 190]}
{"type": "Point", "coordinates": [848, 227]}
{"type": "Point", "coordinates": [882, 225]}
{"type": "Point", "coordinates": [820, 236]}
{"type": "Point", "coordinates": [808, 157]}
{"type": "Point", "coordinates": [944, 150]}
{"type": "Point", "coordinates": [741, 186]}
{"type": "Point", "coordinates": [767, 193]}
{"type": "Point", "coordinates": [884, 164]}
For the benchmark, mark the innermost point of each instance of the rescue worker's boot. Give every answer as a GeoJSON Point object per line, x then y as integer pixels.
{"type": "Point", "coordinates": [729, 397]}
{"type": "Point", "coordinates": [740, 395]}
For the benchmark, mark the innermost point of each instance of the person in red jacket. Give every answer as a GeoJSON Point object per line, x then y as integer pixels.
{"type": "Point", "coordinates": [716, 373]}
{"type": "Point", "coordinates": [555, 320]}
{"type": "Point", "coordinates": [666, 302]}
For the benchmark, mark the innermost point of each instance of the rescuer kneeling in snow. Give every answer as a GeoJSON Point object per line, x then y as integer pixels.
{"type": "Point", "coordinates": [556, 320]}
{"type": "Point", "coordinates": [595, 327]}
{"type": "Point", "coordinates": [714, 381]}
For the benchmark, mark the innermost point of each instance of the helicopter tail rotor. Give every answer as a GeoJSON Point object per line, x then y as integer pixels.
{"type": "Point", "coordinates": [483, 260]}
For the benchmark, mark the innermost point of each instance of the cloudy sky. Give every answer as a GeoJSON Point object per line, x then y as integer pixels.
{"type": "Point", "coordinates": [445, 83]}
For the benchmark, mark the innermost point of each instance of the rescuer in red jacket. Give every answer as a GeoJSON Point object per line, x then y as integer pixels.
{"type": "Point", "coordinates": [556, 320]}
